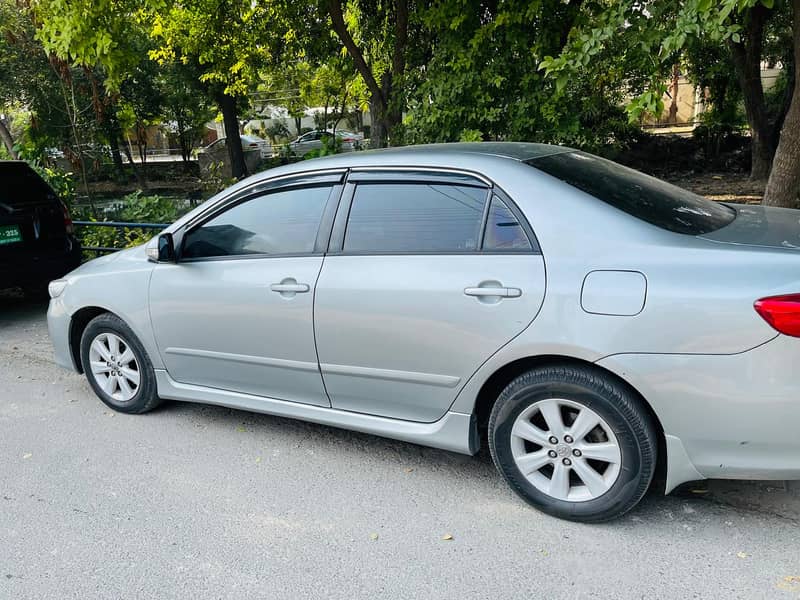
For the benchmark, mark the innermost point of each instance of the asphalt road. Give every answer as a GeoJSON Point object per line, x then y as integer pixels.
{"type": "Point", "coordinates": [194, 501]}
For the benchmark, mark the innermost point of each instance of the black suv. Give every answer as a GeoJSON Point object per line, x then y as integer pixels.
{"type": "Point", "coordinates": [37, 242]}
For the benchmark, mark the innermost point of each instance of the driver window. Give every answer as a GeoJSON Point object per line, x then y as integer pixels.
{"type": "Point", "coordinates": [282, 222]}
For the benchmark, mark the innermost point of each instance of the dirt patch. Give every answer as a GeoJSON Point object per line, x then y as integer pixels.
{"type": "Point", "coordinates": [723, 187]}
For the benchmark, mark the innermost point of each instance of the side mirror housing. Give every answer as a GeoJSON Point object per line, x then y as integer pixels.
{"type": "Point", "coordinates": [163, 250]}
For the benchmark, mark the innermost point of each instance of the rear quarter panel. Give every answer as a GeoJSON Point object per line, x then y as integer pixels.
{"type": "Point", "coordinates": [699, 295]}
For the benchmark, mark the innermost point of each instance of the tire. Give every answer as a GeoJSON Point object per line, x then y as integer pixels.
{"type": "Point", "coordinates": [617, 456]}
{"type": "Point", "coordinates": [126, 396]}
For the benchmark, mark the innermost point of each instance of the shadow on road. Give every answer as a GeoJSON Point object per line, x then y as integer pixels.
{"type": "Point", "coordinates": [16, 308]}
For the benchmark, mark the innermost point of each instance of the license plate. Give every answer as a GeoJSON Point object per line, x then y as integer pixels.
{"type": "Point", "coordinates": [10, 234]}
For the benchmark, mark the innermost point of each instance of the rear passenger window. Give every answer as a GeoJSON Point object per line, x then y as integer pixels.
{"type": "Point", "coordinates": [415, 217]}
{"type": "Point", "coordinates": [503, 229]}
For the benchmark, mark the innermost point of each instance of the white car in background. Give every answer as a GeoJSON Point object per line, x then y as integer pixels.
{"type": "Point", "coordinates": [249, 142]}
{"type": "Point", "coordinates": [312, 140]}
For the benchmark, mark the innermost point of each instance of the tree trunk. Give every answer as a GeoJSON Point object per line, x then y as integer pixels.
{"type": "Point", "coordinates": [113, 133]}
{"type": "Point", "coordinates": [379, 130]}
{"type": "Point", "coordinates": [747, 62]}
{"type": "Point", "coordinates": [233, 140]}
{"type": "Point", "coordinates": [382, 94]}
{"type": "Point", "coordinates": [8, 141]}
{"type": "Point", "coordinates": [674, 88]}
{"type": "Point", "coordinates": [784, 181]}
{"type": "Point", "coordinates": [298, 125]}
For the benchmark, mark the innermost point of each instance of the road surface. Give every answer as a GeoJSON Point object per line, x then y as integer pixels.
{"type": "Point", "coordinates": [194, 501]}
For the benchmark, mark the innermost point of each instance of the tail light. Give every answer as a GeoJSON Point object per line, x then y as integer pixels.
{"type": "Point", "coordinates": [68, 226]}
{"type": "Point", "coordinates": [781, 312]}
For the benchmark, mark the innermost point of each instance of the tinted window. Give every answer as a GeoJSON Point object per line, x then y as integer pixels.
{"type": "Point", "coordinates": [21, 186]}
{"type": "Point", "coordinates": [640, 195]}
{"type": "Point", "coordinates": [284, 222]}
{"type": "Point", "coordinates": [503, 230]}
{"type": "Point", "coordinates": [414, 218]}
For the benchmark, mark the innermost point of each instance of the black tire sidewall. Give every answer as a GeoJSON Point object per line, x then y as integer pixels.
{"type": "Point", "coordinates": [143, 400]}
{"type": "Point", "coordinates": [631, 427]}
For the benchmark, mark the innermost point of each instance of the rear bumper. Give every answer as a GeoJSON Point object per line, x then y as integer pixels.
{"type": "Point", "coordinates": [736, 416]}
{"type": "Point", "coordinates": [35, 269]}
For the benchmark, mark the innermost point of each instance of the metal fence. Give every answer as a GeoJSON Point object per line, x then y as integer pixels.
{"type": "Point", "coordinates": [120, 226]}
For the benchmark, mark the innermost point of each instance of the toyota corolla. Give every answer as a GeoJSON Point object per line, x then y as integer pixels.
{"type": "Point", "coordinates": [589, 322]}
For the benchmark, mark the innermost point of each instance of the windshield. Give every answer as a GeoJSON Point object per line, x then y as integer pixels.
{"type": "Point", "coordinates": [647, 198]}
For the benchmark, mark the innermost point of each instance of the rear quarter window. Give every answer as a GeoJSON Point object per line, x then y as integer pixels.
{"type": "Point", "coordinates": [647, 198]}
{"type": "Point", "coordinates": [21, 186]}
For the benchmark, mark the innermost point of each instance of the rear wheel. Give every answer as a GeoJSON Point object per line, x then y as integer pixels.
{"type": "Point", "coordinates": [573, 442]}
{"type": "Point", "coordinates": [117, 366]}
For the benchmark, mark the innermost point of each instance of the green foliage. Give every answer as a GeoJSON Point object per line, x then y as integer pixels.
{"type": "Point", "coordinates": [214, 179]}
{"type": "Point", "coordinates": [136, 208]}
{"type": "Point", "coordinates": [645, 40]}
{"type": "Point", "coordinates": [482, 80]}
{"type": "Point", "coordinates": [62, 183]}
{"type": "Point", "coordinates": [470, 135]}
{"type": "Point", "coordinates": [276, 131]}
{"type": "Point", "coordinates": [330, 145]}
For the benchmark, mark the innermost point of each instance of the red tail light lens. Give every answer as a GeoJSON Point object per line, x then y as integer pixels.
{"type": "Point", "coordinates": [781, 312]}
{"type": "Point", "coordinates": [68, 226]}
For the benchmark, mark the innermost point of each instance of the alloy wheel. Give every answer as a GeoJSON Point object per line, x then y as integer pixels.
{"type": "Point", "coordinates": [566, 450]}
{"type": "Point", "coordinates": [114, 366]}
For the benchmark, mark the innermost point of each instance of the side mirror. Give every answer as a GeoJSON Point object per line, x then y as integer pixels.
{"type": "Point", "coordinates": [163, 250]}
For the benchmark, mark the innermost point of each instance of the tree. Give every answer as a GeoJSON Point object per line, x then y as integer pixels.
{"type": "Point", "coordinates": [382, 27]}
{"type": "Point", "coordinates": [224, 42]}
{"type": "Point", "coordinates": [475, 76]}
{"type": "Point", "coordinates": [653, 36]}
{"type": "Point", "coordinates": [227, 42]}
{"type": "Point", "coordinates": [784, 181]}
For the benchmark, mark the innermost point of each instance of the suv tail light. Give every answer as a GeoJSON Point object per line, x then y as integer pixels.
{"type": "Point", "coordinates": [781, 312]}
{"type": "Point", "coordinates": [68, 226]}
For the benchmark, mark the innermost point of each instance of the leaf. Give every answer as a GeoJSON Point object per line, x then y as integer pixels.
{"type": "Point", "coordinates": [742, 555]}
{"type": "Point", "coordinates": [736, 38]}
{"type": "Point", "coordinates": [258, 459]}
{"type": "Point", "coordinates": [26, 456]}
{"type": "Point", "coordinates": [408, 470]}
{"type": "Point", "coordinates": [447, 537]}
{"type": "Point", "coordinates": [373, 536]}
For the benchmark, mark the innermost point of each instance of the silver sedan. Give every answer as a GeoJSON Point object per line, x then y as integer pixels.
{"type": "Point", "coordinates": [591, 324]}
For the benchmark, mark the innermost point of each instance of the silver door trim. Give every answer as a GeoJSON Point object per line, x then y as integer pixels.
{"type": "Point", "coordinates": [443, 170]}
{"type": "Point", "coordinates": [282, 363]}
{"type": "Point", "coordinates": [454, 431]}
{"type": "Point", "coordinates": [433, 379]}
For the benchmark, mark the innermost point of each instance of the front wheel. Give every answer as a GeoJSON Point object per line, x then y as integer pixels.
{"type": "Point", "coordinates": [117, 366]}
{"type": "Point", "coordinates": [573, 442]}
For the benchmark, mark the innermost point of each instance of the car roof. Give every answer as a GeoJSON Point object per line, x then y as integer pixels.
{"type": "Point", "coordinates": [520, 151]}
{"type": "Point", "coordinates": [465, 155]}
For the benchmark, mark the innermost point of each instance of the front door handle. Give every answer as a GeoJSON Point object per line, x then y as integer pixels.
{"type": "Point", "coordinates": [289, 287]}
{"type": "Point", "coordinates": [496, 292]}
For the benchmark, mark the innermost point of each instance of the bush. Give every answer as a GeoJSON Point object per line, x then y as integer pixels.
{"type": "Point", "coordinates": [135, 208]}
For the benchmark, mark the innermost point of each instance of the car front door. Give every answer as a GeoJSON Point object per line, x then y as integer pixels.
{"type": "Point", "coordinates": [427, 276]}
{"type": "Point", "coordinates": [235, 312]}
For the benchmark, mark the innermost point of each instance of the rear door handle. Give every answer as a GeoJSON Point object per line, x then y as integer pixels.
{"type": "Point", "coordinates": [497, 292]}
{"type": "Point", "coordinates": [289, 287]}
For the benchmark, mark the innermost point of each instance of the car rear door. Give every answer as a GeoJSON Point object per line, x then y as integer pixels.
{"type": "Point", "coordinates": [428, 274]}
{"type": "Point", "coordinates": [236, 311]}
